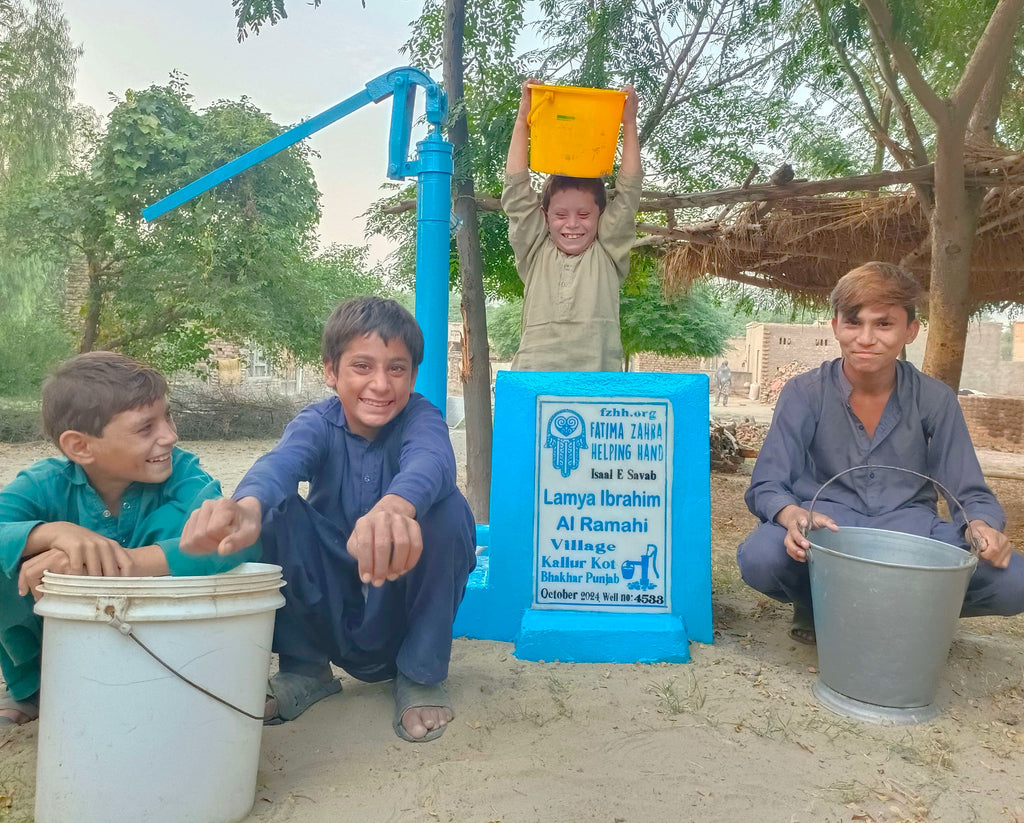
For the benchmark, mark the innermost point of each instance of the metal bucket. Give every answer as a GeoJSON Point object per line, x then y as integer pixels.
{"type": "Point", "coordinates": [886, 606]}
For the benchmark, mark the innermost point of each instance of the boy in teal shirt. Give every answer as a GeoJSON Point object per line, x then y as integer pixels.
{"type": "Point", "coordinates": [114, 505]}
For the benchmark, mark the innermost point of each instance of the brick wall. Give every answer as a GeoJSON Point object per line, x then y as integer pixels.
{"type": "Point", "coordinates": [984, 369]}
{"type": "Point", "coordinates": [76, 288]}
{"type": "Point", "coordinates": [774, 345]}
{"type": "Point", "coordinates": [735, 354]}
{"type": "Point", "coordinates": [995, 422]}
{"type": "Point", "coordinates": [649, 361]}
{"type": "Point", "coordinates": [1018, 341]}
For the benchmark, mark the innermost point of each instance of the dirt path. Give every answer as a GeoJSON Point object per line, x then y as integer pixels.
{"type": "Point", "coordinates": [734, 735]}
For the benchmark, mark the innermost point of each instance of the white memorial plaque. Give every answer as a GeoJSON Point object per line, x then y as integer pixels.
{"type": "Point", "coordinates": [603, 512]}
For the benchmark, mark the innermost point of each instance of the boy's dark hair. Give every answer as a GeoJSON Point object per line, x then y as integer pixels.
{"type": "Point", "coordinates": [84, 393]}
{"type": "Point", "coordinates": [876, 282]}
{"type": "Point", "coordinates": [361, 316]}
{"type": "Point", "coordinates": [560, 182]}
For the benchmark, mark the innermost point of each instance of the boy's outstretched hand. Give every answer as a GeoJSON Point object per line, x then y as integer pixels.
{"type": "Point", "coordinates": [223, 526]}
{"type": "Point", "coordinates": [386, 541]}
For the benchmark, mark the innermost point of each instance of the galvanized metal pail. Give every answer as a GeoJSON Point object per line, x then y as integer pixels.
{"type": "Point", "coordinates": [886, 606]}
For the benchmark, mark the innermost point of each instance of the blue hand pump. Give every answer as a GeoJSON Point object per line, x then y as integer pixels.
{"type": "Point", "coordinates": [432, 167]}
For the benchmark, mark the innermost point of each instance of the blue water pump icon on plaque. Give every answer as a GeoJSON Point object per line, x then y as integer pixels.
{"type": "Point", "coordinates": [648, 565]}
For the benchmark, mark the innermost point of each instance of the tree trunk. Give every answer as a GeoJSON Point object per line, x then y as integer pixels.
{"type": "Point", "coordinates": [477, 382]}
{"type": "Point", "coordinates": [954, 223]}
{"type": "Point", "coordinates": [93, 306]}
{"type": "Point", "coordinates": [956, 216]}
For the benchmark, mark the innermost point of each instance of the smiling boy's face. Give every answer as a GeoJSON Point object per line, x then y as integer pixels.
{"type": "Point", "coordinates": [572, 218]}
{"type": "Point", "coordinates": [373, 381]}
{"type": "Point", "coordinates": [872, 339]}
{"type": "Point", "coordinates": [135, 447]}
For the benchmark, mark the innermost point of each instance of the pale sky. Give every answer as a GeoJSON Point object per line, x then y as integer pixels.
{"type": "Point", "coordinates": [294, 70]}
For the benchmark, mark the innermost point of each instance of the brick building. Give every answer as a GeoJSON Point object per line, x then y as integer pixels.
{"type": "Point", "coordinates": [735, 354]}
{"type": "Point", "coordinates": [768, 347]}
{"type": "Point", "coordinates": [771, 346]}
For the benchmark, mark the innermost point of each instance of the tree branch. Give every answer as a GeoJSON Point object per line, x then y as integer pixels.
{"type": "Point", "coordinates": [988, 174]}
{"type": "Point", "coordinates": [764, 192]}
{"type": "Point", "coordinates": [844, 61]}
{"type": "Point", "coordinates": [660, 106]}
{"type": "Point", "coordinates": [882, 59]}
{"type": "Point", "coordinates": [933, 104]}
{"type": "Point", "coordinates": [736, 75]}
{"type": "Point", "coordinates": [994, 46]}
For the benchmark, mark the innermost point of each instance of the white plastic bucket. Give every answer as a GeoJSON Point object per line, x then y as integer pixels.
{"type": "Point", "coordinates": [121, 737]}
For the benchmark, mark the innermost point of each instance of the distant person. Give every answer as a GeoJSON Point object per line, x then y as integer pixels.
{"type": "Point", "coordinates": [376, 558]}
{"type": "Point", "coordinates": [112, 506]}
{"type": "Point", "coordinates": [871, 408]}
{"type": "Point", "coordinates": [723, 383]}
{"type": "Point", "coordinates": [572, 253]}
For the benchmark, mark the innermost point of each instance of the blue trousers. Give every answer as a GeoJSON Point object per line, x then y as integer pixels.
{"type": "Point", "coordinates": [405, 625]}
{"type": "Point", "coordinates": [766, 567]}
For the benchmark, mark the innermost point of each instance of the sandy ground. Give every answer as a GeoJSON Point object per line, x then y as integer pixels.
{"type": "Point", "coordinates": [734, 735]}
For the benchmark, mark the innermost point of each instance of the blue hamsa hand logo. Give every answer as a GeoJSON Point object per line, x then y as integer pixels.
{"type": "Point", "coordinates": [567, 435]}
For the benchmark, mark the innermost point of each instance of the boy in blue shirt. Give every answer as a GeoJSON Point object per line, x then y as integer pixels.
{"type": "Point", "coordinates": [377, 557]}
{"type": "Point", "coordinates": [113, 505]}
{"type": "Point", "coordinates": [869, 408]}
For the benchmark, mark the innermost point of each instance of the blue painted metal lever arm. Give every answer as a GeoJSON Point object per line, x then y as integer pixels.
{"type": "Point", "coordinates": [375, 91]}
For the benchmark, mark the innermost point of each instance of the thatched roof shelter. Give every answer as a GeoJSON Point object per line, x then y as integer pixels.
{"type": "Point", "coordinates": [785, 238]}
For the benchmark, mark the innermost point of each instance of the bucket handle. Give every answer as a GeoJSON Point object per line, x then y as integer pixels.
{"type": "Point", "coordinates": [972, 538]}
{"type": "Point", "coordinates": [126, 629]}
{"type": "Point", "coordinates": [545, 98]}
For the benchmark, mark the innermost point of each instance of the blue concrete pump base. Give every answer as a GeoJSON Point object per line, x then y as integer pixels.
{"type": "Point", "coordinates": [595, 637]}
{"type": "Point", "coordinates": [498, 603]}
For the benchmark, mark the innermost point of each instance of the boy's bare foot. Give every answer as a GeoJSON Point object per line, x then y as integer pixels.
{"type": "Point", "coordinates": [18, 712]}
{"type": "Point", "coordinates": [419, 720]}
{"type": "Point", "coordinates": [421, 710]}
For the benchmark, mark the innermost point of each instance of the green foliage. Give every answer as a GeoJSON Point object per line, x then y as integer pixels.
{"type": "Point", "coordinates": [505, 328]}
{"type": "Point", "coordinates": [703, 122]}
{"type": "Point", "coordinates": [693, 325]}
{"type": "Point", "coordinates": [941, 35]}
{"type": "Point", "coordinates": [1006, 342]}
{"type": "Point", "coordinates": [824, 146]}
{"type": "Point", "coordinates": [37, 72]}
{"type": "Point", "coordinates": [251, 15]}
{"type": "Point", "coordinates": [698, 324]}
{"type": "Point", "coordinates": [749, 303]}
{"type": "Point", "coordinates": [29, 347]}
{"type": "Point", "coordinates": [407, 300]}
{"type": "Point", "coordinates": [499, 272]}
{"type": "Point", "coordinates": [237, 263]}
{"type": "Point", "coordinates": [491, 93]}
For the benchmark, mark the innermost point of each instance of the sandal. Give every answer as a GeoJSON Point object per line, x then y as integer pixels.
{"type": "Point", "coordinates": [294, 693]}
{"type": "Point", "coordinates": [29, 708]}
{"type": "Point", "coordinates": [803, 625]}
{"type": "Point", "coordinates": [412, 695]}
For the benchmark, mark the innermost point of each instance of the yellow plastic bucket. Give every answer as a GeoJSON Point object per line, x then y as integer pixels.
{"type": "Point", "coordinates": [574, 130]}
